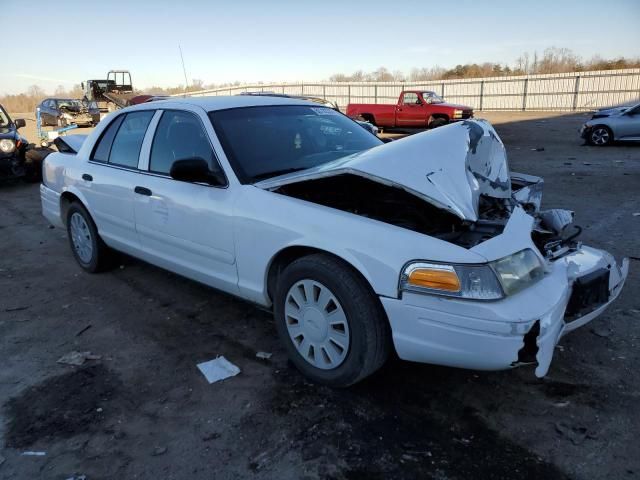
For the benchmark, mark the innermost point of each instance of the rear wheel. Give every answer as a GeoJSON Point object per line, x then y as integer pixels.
{"type": "Point", "coordinates": [91, 253]}
{"type": "Point", "coordinates": [600, 136]}
{"type": "Point", "coordinates": [330, 322]}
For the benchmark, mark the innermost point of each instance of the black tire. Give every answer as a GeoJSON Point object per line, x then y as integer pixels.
{"type": "Point", "coordinates": [367, 118]}
{"type": "Point", "coordinates": [33, 163]}
{"type": "Point", "coordinates": [370, 337]}
{"type": "Point", "coordinates": [102, 256]}
{"type": "Point", "coordinates": [438, 122]}
{"type": "Point", "coordinates": [600, 136]}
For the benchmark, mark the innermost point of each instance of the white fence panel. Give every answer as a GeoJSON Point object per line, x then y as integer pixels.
{"type": "Point", "coordinates": [560, 92]}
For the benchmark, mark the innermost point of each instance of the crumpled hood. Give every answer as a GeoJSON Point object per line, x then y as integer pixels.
{"type": "Point", "coordinates": [449, 167]}
{"type": "Point", "coordinates": [607, 112]}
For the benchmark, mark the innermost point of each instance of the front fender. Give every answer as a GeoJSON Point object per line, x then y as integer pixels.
{"type": "Point", "coordinates": [266, 222]}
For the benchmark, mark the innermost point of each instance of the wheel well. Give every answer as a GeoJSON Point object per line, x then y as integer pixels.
{"type": "Point", "coordinates": [288, 255]}
{"type": "Point", "coordinates": [66, 200]}
{"type": "Point", "coordinates": [444, 116]}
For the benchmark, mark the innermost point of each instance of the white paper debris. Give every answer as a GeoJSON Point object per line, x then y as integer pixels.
{"type": "Point", "coordinates": [264, 355]}
{"type": "Point", "coordinates": [218, 369]}
{"type": "Point", "coordinates": [34, 454]}
{"type": "Point", "coordinates": [77, 358]}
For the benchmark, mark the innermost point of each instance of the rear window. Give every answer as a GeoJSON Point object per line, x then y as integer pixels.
{"type": "Point", "coordinates": [103, 148]}
{"type": "Point", "coordinates": [121, 143]}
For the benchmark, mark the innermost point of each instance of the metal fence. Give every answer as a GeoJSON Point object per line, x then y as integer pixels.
{"type": "Point", "coordinates": [564, 92]}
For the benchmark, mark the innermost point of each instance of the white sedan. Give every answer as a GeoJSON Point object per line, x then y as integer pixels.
{"type": "Point", "coordinates": [427, 245]}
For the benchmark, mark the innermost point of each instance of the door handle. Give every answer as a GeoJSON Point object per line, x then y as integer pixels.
{"type": "Point", "coordinates": [143, 191]}
{"type": "Point", "coordinates": [87, 177]}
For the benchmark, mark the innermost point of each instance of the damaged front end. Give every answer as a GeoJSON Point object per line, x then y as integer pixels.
{"type": "Point", "coordinates": [454, 184]}
{"type": "Point", "coordinates": [75, 115]}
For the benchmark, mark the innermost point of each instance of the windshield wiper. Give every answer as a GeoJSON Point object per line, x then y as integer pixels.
{"type": "Point", "coordinates": [277, 173]}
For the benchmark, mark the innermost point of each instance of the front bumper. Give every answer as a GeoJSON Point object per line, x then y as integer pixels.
{"type": "Point", "coordinates": [585, 130]}
{"type": "Point", "coordinates": [11, 165]}
{"type": "Point", "coordinates": [491, 335]}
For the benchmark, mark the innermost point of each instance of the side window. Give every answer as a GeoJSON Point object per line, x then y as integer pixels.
{"type": "Point", "coordinates": [180, 136]}
{"type": "Point", "coordinates": [102, 150]}
{"type": "Point", "coordinates": [125, 150]}
{"type": "Point", "coordinates": [411, 99]}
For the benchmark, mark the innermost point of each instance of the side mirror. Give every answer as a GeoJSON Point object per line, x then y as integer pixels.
{"type": "Point", "coordinates": [195, 170]}
{"type": "Point", "coordinates": [82, 85]}
{"type": "Point", "coordinates": [19, 122]}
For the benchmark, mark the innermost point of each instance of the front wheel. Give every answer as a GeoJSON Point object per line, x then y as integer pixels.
{"type": "Point", "coordinates": [437, 122]}
{"type": "Point", "coordinates": [91, 253]}
{"type": "Point", "coordinates": [600, 136]}
{"type": "Point", "coordinates": [330, 322]}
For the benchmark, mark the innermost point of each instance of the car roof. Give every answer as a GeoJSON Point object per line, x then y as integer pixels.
{"type": "Point", "coordinates": [226, 102]}
{"type": "Point", "coordinates": [66, 99]}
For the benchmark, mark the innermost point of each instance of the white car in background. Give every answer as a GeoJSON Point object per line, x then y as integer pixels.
{"type": "Point", "coordinates": [427, 245]}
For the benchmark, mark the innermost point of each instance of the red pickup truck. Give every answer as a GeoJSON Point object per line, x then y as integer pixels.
{"type": "Point", "coordinates": [415, 109]}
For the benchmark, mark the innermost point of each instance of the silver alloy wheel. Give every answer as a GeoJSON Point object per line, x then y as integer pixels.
{"type": "Point", "coordinates": [600, 136]}
{"type": "Point", "coordinates": [317, 324]}
{"type": "Point", "coordinates": [81, 237]}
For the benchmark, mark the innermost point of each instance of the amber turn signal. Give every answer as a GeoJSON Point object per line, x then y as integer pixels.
{"type": "Point", "coordinates": [434, 278]}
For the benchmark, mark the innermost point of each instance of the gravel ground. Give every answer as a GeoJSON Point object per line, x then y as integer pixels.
{"type": "Point", "coordinates": [143, 410]}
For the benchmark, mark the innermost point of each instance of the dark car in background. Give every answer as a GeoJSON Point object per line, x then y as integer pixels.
{"type": "Point", "coordinates": [62, 112]}
{"type": "Point", "coordinates": [13, 147]}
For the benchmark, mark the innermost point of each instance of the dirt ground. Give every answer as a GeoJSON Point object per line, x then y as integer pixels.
{"type": "Point", "coordinates": [144, 411]}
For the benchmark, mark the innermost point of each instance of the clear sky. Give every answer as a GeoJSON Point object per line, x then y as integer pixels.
{"type": "Point", "coordinates": [49, 43]}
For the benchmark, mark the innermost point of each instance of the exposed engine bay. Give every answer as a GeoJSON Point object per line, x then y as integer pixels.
{"type": "Point", "coordinates": [368, 198]}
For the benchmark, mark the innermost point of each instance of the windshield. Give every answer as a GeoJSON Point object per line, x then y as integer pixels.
{"type": "Point", "coordinates": [433, 97]}
{"type": "Point", "coordinates": [264, 142]}
{"type": "Point", "coordinates": [69, 103]}
{"type": "Point", "coordinates": [4, 117]}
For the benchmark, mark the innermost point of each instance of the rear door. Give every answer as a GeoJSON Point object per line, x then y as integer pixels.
{"type": "Point", "coordinates": [182, 226]}
{"type": "Point", "coordinates": [46, 113]}
{"type": "Point", "coordinates": [410, 111]}
{"type": "Point", "coordinates": [108, 179]}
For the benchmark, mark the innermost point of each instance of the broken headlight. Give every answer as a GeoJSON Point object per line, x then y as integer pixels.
{"type": "Point", "coordinates": [518, 271]}
{"type": "Point", "coordinates": [478, 282]}
{"type": "Point", "coordinates": [7, 145]}
{"type": "Point", "coordinates": [491, 281]}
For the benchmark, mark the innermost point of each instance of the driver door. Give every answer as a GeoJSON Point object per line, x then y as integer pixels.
{"type": "Point", "coordinates": [629, 125]}
{"type": "Point", "coordinates": [411, 111]}
{"type": "Point", "coordinates": [183, 226]}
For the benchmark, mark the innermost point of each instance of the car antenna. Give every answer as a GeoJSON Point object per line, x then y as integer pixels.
{"type": "Point", "coordinates": [184, 70]}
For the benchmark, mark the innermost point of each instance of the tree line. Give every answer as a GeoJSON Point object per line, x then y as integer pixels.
{"type": "Point", "coordinates": [552, 60]}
